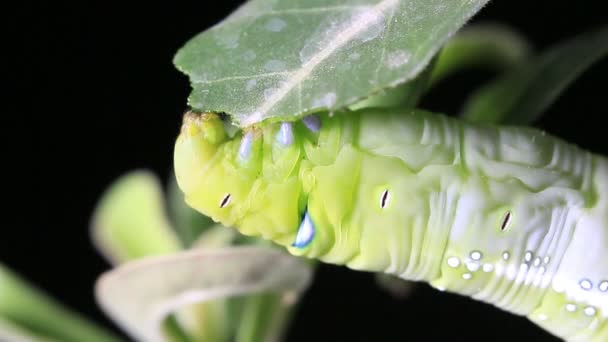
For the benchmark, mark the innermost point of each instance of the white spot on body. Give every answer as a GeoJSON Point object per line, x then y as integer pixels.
{"type": "Point", "coordinates": [472, 266]}
{"type": "Point", "coordinates": [537, 261]}
{"type": "Point", "coordinates": [542, 317]}
{"type": "Point", "coordinates": [603, 286]}
{"type": "Point", "coordinates": [590, 311]}
{"type": "Point", "coordinates": [275, 65]}
{"type": "Point", "coordinates": [487, 268]}
{"type": "Point", "coordinates": [275, 25]}
{"type": "Point", "coordinates": [528, 256]}
{"type": "Point", "coordinates": [586, 284]}
{"type": "Point", "coordinates": [453, 262]}
{"type": "Point", "coordinates": [476, 255]}
{"type": "Point", "coordinates": [505, 255]}
{"type": "Point", "coordinates": [570, 307]}
{"type": "Point", "coordinates": [467, 276]}
{"type": "Point", "coordinates": [546, 260]}
{"type": "Point", "coordinates": [397, 58]}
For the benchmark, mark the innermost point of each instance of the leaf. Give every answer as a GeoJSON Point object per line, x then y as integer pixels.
{"type": "Point", "coordinates": [403, 96]}
{"type": "Point", "coordinates": [130, 219]}
{"type": "Point", "coordinates": [25, 310]}
{"type": "Point", "coordinates": [13, 333]}
{"type": "Point", "coordinates": [522, 94]}
{"type": "Point", "coordinates": [279, 60]}
{"type": "Point", "coordinates": [140, 294]}
{"type": "Point", "coordinates": [482, 45]}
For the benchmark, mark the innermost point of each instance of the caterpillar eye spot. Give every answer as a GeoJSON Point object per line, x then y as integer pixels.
{"type": "Point", "coordinates": [589, 311]}
{"type": "Point", "coordinates": [306, 232]}
{"type": "Point", "coordinates": [506, 222]}
{"type": "Point", "coordinates": [225, 201]}
{"type": "Point", "coordinates": [385, 199]}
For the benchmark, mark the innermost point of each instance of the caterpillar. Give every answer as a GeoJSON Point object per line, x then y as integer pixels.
{"type": "Point", "coordinates": [506, 215]}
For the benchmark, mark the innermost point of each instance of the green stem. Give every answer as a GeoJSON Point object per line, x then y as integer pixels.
{"type": "Point", "coordinates": [33, 310]}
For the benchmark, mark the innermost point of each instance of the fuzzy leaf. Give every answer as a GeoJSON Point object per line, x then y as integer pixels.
{"type": "Point", "coordinates": [283, 59]}
{"type": "Point", "coordinates": [140, 294]}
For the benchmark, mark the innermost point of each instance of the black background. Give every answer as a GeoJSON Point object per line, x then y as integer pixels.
{"type": "Point", "coordinates": [93, 94]}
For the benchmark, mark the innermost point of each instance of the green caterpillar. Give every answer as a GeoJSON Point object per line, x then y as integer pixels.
{"type": "Point", "coordinates": [507, 215]}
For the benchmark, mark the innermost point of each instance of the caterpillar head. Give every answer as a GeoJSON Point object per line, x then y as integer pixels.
{"type": "Point", "coordinates": [249, 181]}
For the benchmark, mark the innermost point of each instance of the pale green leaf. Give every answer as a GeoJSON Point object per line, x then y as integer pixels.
{"type": "Point", "coordinates": [140, 294]}
{"type": "Point", "coordinates": [130, 220]}
{"type": "Point", "coordinates": [522, 94]}
{"type": "Point", "coordinates": [283, 59]}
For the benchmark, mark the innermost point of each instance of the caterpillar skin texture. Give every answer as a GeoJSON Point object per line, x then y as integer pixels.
{"type": "Point", "coordinates": [506, 215]}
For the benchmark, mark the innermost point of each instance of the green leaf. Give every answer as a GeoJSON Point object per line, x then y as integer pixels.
{"type": "Point", "coordinates": [403, 96]}
{"type": "Point", "coordinates": [522, 94]}
{"type": "Point", "coordinates": [283, 59]}
{"type": "Point", "coordinates": [140, 294]}
{"type": "Point", "coordinates": [13, 333]}
{"type": "Point", "coordinates": [485, 45]}
{"type": "Point", "coordinates": [25, 309]}
{"type": "Point", "coordinates": [130, 220]}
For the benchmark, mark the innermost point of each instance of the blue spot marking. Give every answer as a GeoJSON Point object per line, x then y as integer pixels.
{"type": "Point", "coordinates": [245, 148]}
{"type": "Point", "coordinates": [312, 122]}
{"type": "Point", "coordinates": [306, 232]}
{"type": "Point", "coordinates": [285, 136]}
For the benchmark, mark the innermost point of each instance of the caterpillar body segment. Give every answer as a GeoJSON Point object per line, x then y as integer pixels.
{"type": "Point", "coordinates": [506, 215]}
